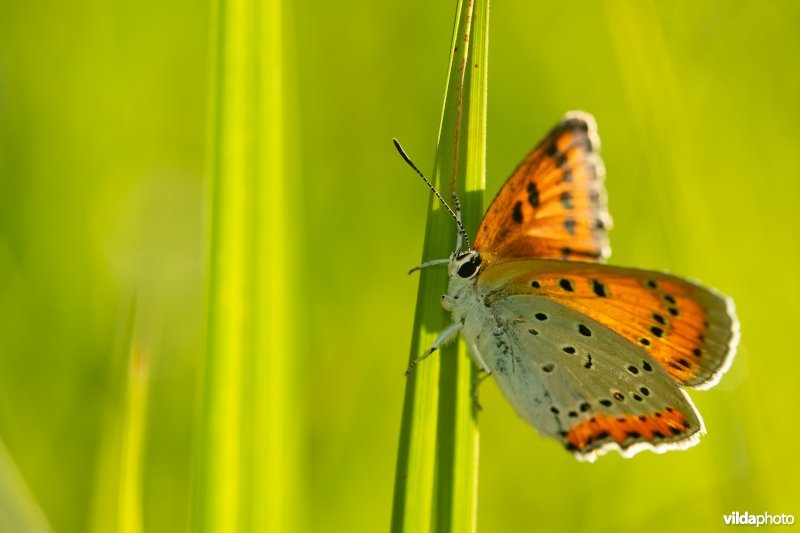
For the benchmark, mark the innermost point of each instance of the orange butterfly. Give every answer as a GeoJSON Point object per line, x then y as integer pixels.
{"type": "Point", "coordinates": [592, 355]}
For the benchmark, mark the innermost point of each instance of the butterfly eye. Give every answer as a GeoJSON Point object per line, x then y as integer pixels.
{"type": "Point", "coordinates": [470, 267]}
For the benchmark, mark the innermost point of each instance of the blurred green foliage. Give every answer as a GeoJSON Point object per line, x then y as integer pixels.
{"type": "Point", "coordinates": [103, 149]}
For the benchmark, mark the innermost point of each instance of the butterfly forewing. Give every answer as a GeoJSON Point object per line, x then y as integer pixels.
{"type": "Point", "coordinates": [554, 204]}
{"type": "Point", "coordinates": [688, 329]}
{"type": "Point", "coordinates": [573, 379]}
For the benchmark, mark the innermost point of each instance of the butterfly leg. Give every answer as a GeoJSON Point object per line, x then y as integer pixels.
{"type": "Point", "coordinates": [427, 264]}
{"type": "Point", "coordinates": [478, 357]}
{"type": "Point", "coordinates": [475, 395]}
{"type": "Point", "coordinates": [488, 372]}
{"type": "Point", "coordinates": [443, 337]}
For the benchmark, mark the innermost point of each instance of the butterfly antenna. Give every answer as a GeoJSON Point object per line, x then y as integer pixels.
{"type": "Point", "coordinates": [461, 229]}
{"type": "Point", "coordinates": [457, 203]}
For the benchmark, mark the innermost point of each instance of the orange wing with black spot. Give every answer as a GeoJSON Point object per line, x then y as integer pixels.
{"type": "Point", "coordinates": [690, 330]}
{"type": "Point", "coordinates": [554, 204]}
{"type": "Point", "coordinates": [572, 376]}
{"type": "Point", "coordinates": [593, 355]}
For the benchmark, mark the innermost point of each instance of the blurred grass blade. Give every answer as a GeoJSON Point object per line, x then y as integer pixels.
{"type": "Point", "coordinates": [116, 502]}
{"type": "Point", "coordinates": [436, 478]}
{"type": "Point", "coordinates": [19, 512]}
{"type": "Point", "coordinates": [135, 417]}
{"type": "Point", "coordinates": [275, 417]}
{"type": "Point", "coordinates": [245, 463]}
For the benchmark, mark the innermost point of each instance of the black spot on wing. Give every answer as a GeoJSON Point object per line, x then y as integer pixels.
{"type": "Point", "coordinates": [517, 214]}
{"type": "Point", "coordinates": [552, 150]}
{"type": "Point", "coordinates": [566, 200]}
{"type": "Point", "coordinates": [599, 289]}
{"type": "Point", "coordinates": [574, 122]}
{"type": "Point", "coordinates": [566, 285]}
{"type": "Point", "coordinates": [533, 195]}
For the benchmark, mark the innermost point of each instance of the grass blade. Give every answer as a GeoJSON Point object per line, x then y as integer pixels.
{"type": "Point", "coordinates": [117, 500]}
{"type": "Point", "coordinates": [275, 414]}
{"type": "Point", "coordinates": [245, 465]}
{"type": "Point", "coordinates": [135, 418]}
{"type": "Point", "coordinates": [457, 485]}
{"type": "Point", "coordinates": [435, 485]}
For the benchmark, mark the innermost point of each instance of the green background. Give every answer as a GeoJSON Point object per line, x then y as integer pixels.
{"type": "Point", "coordinates": [103, 209]}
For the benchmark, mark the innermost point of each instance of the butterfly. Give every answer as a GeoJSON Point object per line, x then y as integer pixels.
{"type": "Point", "coordinates": [594, 356]}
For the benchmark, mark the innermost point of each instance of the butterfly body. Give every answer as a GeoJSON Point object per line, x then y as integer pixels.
{"type": "Point", "coordinates": [590, 354]}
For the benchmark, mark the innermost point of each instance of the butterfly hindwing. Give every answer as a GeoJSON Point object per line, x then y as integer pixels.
{"type": "Point", "coordinates": [574, 380]}
{"type": "Point", "coordinates": [690, 330]}
{"type": "Point", "coordinates": [554, 204]}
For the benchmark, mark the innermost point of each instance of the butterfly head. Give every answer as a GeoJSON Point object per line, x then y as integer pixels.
{"type": "Point", "coordinates": [465, 265]}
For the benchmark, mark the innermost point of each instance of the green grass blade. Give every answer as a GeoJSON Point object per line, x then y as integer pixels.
{"type": "Point", "coordinates": [133, 438]}
{"type": "Point", "coordinates": [275, 417]}
{"type": "Point", "coordinates": [218, 483]}
{"type": "Point", "coordinates": [457, 485]}
{"type": "Point", "coordinates": [117, 499]}
{"type": "Point", "coordinates": [246, 462]}
{"type": "Point", "coordinates": [436, 478]}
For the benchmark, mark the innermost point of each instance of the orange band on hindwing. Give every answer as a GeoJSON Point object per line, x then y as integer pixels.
{"type": "Point", "coordinates": [662, 426]}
